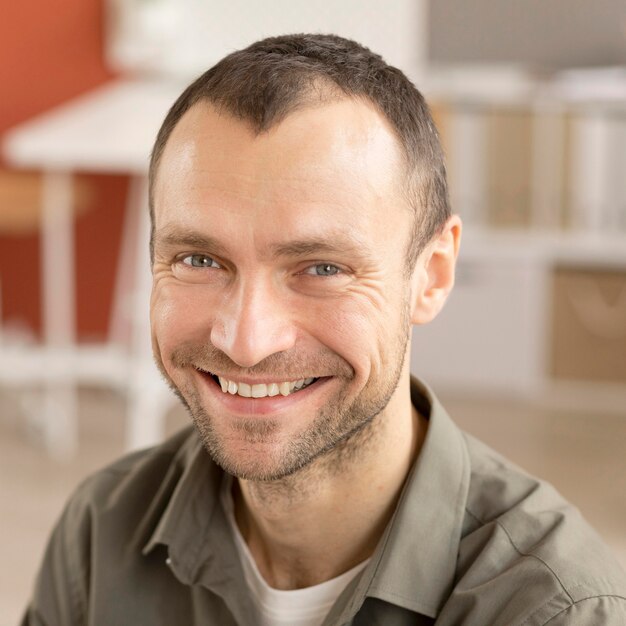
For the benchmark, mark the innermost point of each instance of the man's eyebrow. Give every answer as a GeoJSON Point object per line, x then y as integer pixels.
{"type": "Point", "coordinates": [176, 237]}
{"type": "Point", "coordinates": [315, 246]}
{"type": "Point", "coordinates": [173, 237]}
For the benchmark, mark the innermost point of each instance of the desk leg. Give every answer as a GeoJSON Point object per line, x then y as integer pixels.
{"type": "Point", "coordinates": [59, 411]}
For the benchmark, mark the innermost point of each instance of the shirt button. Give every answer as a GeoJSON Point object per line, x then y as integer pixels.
{"type": "Point", "coordinates": [168, 562]}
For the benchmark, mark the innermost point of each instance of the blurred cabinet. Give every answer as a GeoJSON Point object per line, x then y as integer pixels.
{"type": "Point", "coordinates": [588, 325]}
{"type": "Point", "coordinates": [491, 334]}
{"type": "Point", "coordinates": [538, 316]}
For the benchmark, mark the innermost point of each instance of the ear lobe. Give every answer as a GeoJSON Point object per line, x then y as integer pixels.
{"type": "Point", "coordinates": [433, 278]}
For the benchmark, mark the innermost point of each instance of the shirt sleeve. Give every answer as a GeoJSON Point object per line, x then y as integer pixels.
{"type": "Point", "coordinates": [607, 610]}
{"type": "Point", "coordinates": [61, 587]}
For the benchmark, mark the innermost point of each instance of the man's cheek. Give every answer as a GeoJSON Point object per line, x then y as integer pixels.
{"type": "Point", "coordinates": [173, 311]}
{"type": "Point", "coordinates": [350, 331]}
{"type": "Point", "coordinates": [168, 330]}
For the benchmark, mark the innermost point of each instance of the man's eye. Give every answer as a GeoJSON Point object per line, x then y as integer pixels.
{"type": "Point", "coordinates": [323, 269]}
{"type": "Point", "coordinates": [200, 260]}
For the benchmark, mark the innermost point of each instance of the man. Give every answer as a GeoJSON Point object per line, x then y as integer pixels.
{"type": "Point", "coordinates": [300, 227]}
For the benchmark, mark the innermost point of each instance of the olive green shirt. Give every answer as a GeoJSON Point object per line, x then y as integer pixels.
{"type": "Point", "coordinates": [473, 541]}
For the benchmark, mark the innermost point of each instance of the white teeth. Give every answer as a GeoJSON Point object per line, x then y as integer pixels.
{"type": "Point", "coordinates": [261, 390]}
{"type": "Point", "coordinates": [244, 390]}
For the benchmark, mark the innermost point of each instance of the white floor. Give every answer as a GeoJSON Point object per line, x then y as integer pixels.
{"type": "Point", "coordinates": [583, 455]}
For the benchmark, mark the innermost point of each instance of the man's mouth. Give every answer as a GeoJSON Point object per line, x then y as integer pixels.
{"type": "Point", "coordinates": [259, 390]}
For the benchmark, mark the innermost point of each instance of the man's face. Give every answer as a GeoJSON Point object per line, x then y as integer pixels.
{"type": "Point", "coordinates": [279, 264]}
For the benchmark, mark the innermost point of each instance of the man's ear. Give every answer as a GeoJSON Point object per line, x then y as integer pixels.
{"type": "Point", "coordinates": [433, 277]}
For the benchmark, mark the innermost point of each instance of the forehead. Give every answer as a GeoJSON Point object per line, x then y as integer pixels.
{"type": "Point", "coordinates": [340, 158]}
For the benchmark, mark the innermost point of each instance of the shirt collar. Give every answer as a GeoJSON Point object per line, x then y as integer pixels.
{"type": "Point", "coordinates": [194, 528]}
{"type": "Point", "coordinates": [192, 514]}
{"type": "Point", "coordinates": [417, 556]}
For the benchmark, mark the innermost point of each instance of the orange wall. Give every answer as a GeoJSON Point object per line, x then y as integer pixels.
{"type": "Point", "coordinates": [49, 53]}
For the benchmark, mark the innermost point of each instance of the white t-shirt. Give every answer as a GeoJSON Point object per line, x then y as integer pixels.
{"type": "Point", "coordinates": [274, 607]}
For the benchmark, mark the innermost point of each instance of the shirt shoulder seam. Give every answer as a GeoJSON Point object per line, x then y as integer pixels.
{"type": "Point", "coordinates": [574, 603]}
{"type": "Point", "coordinates": [528, 554]}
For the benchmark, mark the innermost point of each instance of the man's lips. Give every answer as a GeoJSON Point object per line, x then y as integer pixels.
{"type": "Point", "coordinates": [262, 406]}
{"type": "Point", "coordinates": [250, 388]}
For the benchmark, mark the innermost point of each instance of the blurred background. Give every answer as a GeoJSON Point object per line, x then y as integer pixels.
{"type": "Point", "coordinates": [530, 352]}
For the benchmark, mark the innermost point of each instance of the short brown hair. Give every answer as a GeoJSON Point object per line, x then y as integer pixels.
{"type": "Point", "coordinates": [271, 78]}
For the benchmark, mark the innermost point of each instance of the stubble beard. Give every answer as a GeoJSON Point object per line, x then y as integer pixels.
{"type": "Point", "coordinates": [340, 434]}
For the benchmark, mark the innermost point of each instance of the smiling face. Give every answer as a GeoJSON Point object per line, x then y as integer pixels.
{"type": "Point", "coordinates": [280, 303]}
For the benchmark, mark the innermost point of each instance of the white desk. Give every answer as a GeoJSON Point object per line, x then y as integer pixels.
{"type": "Point", "coordinates": [108, 130]}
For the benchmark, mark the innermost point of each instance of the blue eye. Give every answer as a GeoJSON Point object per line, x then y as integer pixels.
{"type": "Point", "coordinates": [324, 269]}
{"type": "Point", "coordinates": [200, 260]}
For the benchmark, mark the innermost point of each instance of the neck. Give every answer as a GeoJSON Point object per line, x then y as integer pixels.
{"type": "Point", "coordinates": [327, 518]}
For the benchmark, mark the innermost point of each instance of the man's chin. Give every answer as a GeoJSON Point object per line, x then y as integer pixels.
{"type": "Point", "coordinates": [260, 455]}
{"type": "Point", "coordinates": [261, 460]}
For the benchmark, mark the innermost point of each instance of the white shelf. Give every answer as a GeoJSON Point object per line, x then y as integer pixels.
{"type": "Point", "coordinates": [607, 250]}
{"type": "Point", "coordinates": [99, 364]}
{"type": "Point", "coordinates": [108, 130]}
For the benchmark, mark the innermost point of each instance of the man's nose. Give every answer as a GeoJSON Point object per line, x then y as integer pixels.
{"type": "Point", "coordinates": [253, 322]}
